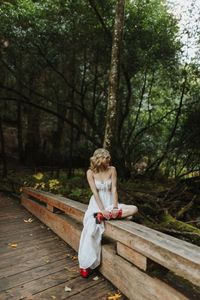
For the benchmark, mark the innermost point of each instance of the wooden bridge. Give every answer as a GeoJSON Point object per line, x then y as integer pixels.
{"type": "Point", "coordinates": [37, 264]}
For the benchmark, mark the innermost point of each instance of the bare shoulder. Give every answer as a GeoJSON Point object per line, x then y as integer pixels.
{"type": "Point", "coordinates": [89, 173]}
{"type": "Point", "coordinates": [113, 170]}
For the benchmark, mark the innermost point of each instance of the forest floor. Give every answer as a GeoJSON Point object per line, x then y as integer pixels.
{"type": "Point", "coordinates": [170, 206]}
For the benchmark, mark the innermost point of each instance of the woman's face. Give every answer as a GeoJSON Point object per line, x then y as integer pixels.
{"type": "Point", "coordinates": [106, 161]}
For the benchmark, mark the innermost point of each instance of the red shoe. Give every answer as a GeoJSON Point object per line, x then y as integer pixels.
{"type": "Point", "coordinates": [99, 217]}
{"type": "Point", "coordinates": [118, 216]}
{"type": "Point", "coordinates": [84, 272]}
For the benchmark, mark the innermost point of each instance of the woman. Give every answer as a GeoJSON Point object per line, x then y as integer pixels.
{"type": "Point", "coordinates": [102, 179]}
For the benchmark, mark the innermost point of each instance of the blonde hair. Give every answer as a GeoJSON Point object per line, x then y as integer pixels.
{"type": "Point", "coordinates": [100, 160]}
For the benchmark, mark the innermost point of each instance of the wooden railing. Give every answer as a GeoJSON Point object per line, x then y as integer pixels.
{"type": "Point", "coordinates": [131, 253]}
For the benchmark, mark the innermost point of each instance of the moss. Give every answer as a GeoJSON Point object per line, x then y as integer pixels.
{"type": "Point", "coordinates": [170, 222]}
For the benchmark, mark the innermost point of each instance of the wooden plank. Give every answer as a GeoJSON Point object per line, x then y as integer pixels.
{"type": "Point", "coordinates": [73, 208]}
{"type": "Point", "coordinates": [50, 256]}
{"type": "Point", "coordinates": [25, 239]}
{"type": "Point", "coordinates": [8, 251]}
{"type": "Point", "coordinates": [98, 291]}
{"type": "Point", "coordinates": [32, 274]}
{"type": "Point", "coordinates": [21, 234]}
{"type": "Point", "coordinates": [133, 256]}
{"type": "Point", "coordinates": [78, 286]}
{"type": "Point", "coordinates": [29, 253]}
{"type": "Point", "coordinates": [135, 284]}
{"type": "Point", "coordinates": [41, 283]}
{"type": "Point", "coordinates": [43, 264]}
{"type": "Point", "coordinates": [50, 208]}
{"type": "Point", "coordinates": [14, 227]}
{"type": "Point", "coordinates": [181, 257]}
{"type": "Point", "coordinates": [110, 262]}
{"type": "Point", "coordinates": [65, 227]}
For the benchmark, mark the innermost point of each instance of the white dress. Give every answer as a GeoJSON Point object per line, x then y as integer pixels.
{"type": "Point", "coordinates": [89, 253]}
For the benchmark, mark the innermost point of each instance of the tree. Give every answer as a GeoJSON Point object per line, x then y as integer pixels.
{"type": "Point", "coordinates": [112, 106]}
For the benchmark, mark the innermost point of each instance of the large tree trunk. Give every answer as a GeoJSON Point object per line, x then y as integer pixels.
{"type": "Point", "coordinates": [19, 113]}
{"type": "Point", "coordinates": [111, 116]}
{"type": "Point", "coordinates": [33, 142]}
{"type": "Point", "coordinates": [32, 148]}
{"type": "Point", "coordinates": [3, 153]}
{"type": "Point", "coordinates": [71, 117]}
{"type": "Point", "coordinates": [19, 132]}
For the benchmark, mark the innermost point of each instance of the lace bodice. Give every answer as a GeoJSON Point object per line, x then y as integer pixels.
{"type": "Point", "coordinates": [103, 185]}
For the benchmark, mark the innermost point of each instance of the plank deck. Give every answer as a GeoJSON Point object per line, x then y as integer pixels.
{"type": "Point", "coordinates": [36, 264]}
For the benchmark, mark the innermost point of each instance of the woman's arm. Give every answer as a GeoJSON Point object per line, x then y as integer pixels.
{"type": "Point", "coordinates": [94, 190]}
{"type": "Point", "coordinates": [114, 187]}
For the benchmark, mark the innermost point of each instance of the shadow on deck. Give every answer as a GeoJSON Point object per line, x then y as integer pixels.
{"type": "Point", "coordinates": [36, 264]}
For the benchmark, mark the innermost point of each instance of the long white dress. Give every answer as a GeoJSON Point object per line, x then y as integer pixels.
{"type": "Point", "coordinates": [89, 253]}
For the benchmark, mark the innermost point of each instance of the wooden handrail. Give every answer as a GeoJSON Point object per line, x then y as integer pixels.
{"type": "Point", "coordinates": [135, 243]}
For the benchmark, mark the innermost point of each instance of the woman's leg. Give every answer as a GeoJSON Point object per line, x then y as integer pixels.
{"type": "Point", "coordinates": [129, 210]}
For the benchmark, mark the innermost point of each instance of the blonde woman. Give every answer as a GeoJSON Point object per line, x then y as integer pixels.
{"type": "Point", "coordinates": [102, 179]}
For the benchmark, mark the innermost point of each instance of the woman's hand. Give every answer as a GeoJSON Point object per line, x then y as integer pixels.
{"type": "Point", "coordinates": [115, 213]}
{"type": "Point", "coordinates": [106, 214]}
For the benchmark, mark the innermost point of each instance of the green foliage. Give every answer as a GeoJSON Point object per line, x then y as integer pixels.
{"type": "Point", "coordinates": [56, 54]}
{"type": "Point", "coordinates": [80, 194]}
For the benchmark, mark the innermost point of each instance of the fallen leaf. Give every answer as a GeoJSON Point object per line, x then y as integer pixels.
{"type": "Point", "coordinates": [47, 261]}
{"type": "Point", "coordinates": [74, 257]}
{"type": "Point", "coordinates": [28, 220]}
{"type": "Point", "coordinates": [14, 245]}
{"type": "Point", "coordinates": [96, 278]}
{"type": "Point", "coordinates": [53, 297]}
{"type": "Point", "coordinates": [115, 296]}
{"type": "Point", "coordinates": [67, 289]}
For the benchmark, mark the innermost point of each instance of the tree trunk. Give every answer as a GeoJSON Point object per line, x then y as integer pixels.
{"type": "Point", "coordinates": [33, 142]}
{"type": "Point", "coordinates": [32, 148]}
{"type": "Point", "coordinates": [3, 153]}
{"type": "Point", "coordinates": [158, 162]}
{"type": "Point", "coordinates": [111, 115]}
{"type": "Point", "coordinates": [72, 100]}
{"type": "Point", "coordinates": [19, 132]}
{"type": "Point", "coordinates": [19, 113]}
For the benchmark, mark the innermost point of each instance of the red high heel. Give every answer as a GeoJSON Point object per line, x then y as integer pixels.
{"type": "Point", "coordinates": [84, 272]}
{"type": "Point", "coordinates": [99, 217]}
{"type": "Point", "coordinates": [118, 216]}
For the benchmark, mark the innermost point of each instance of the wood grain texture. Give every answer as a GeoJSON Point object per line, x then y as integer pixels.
{"type": "Point", "coordinates": [178, 256]}
{"type": "Point", "coordinates": [42, 264]}
{"type": "Point", "coordinates": [64, 226]}
{"type": "Point", "coordinates": [73, 208]}
{"type": "Point", "coordinates": [131, 255]}
{"type": "Point", "coordinates": [134, 283]}
{"type": "Point", "coordinates": [181, 257]}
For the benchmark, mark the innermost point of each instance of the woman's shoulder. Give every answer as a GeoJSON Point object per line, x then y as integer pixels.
{"type": "Point", "coordinates": [89, 173]}
{"type": "Point", "coordinates": [112, 169]}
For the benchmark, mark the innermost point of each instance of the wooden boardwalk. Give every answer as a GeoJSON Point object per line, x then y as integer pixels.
{"type": "Point", "coordinates": [36, 264]}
